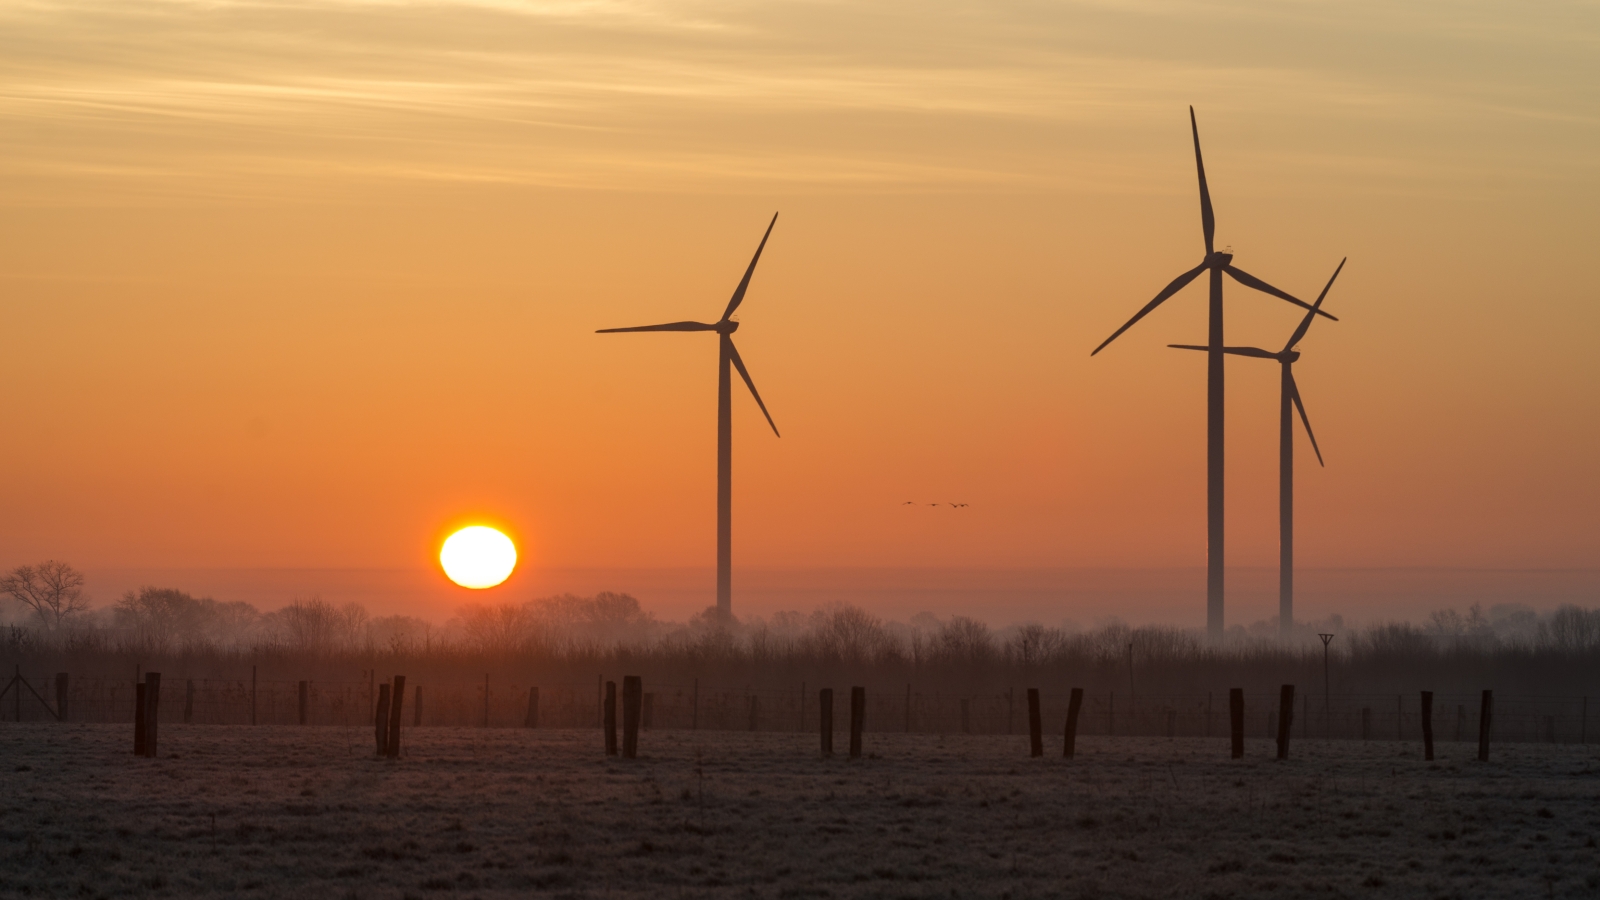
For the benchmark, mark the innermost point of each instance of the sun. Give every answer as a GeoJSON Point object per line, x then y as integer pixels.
{"type": "Point", "coordinates": [478, 557]}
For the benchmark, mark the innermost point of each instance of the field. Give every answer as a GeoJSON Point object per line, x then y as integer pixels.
{"type": "Point", "coordinates": [286, 811]}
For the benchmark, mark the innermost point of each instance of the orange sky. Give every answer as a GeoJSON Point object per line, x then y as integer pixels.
{"type": "Point", "coordinates": [297, 284]}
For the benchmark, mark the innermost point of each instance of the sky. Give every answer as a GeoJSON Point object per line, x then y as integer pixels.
{"type": "Point", "coordinates": [305, 285]}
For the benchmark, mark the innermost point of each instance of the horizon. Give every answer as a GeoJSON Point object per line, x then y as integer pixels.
{"type": "Point", "coordinates": [1081, 597]}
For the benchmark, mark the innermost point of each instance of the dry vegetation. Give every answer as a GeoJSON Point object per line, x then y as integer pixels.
{"type": "Point", "coordinates": [306, 812]}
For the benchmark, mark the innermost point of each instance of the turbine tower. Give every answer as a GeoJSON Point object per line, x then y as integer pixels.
{"type": "Point", "coordinates": [1289, 396]}
{"type": "Point", "coordinates": [724, 327]}
{"type": "Point", "coordinates": [1216, 263]}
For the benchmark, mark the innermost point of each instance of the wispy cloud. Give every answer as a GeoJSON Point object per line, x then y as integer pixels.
{"type": "Point", "coordinates": [676, 95]}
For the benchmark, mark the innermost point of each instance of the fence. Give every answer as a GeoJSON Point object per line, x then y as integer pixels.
{"type": "Point", "coordinates": [505, 704]}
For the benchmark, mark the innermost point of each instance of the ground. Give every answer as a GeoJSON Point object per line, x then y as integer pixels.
{"type": "Point", "coordinates": [306, 812]}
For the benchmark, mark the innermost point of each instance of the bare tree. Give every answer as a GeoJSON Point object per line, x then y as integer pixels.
{"type": "Point", "coordinates": [52, 589]}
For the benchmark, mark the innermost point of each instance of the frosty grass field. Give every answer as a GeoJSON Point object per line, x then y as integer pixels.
{"type": "Point", "coordinates": [307, 812]}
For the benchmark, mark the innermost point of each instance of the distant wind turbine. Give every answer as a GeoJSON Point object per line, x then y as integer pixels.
{"type": "Point", "coordinates": [1217, 263]}
{"type": "Point", "coordinates": [724, 327]}
{"type": "Point", "coordinates": [1289, 395]}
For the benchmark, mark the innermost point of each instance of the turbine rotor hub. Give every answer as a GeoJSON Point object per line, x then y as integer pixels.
{"type": "Point", "coordinates": [1218, 259]}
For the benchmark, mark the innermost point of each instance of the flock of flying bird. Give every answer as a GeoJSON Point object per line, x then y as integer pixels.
{"type": "Point", "coordinates": [1216, 264]}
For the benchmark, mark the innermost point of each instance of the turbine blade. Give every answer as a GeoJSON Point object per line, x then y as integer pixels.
{"type": "Point", "coordinates": [670, 326]}
{"type": "Point", "coordinates": [1294, 394]}
{"type": "Point", "coordinates": [1250, 281]}
{"type": "Point", "coordinates": [1176, 286]}
{"type": "Point", "coordinates": [745, 374]}
{"type": "Point", "coordinates": [1208, 220]}
{"type": "Point", "coordinates": [1305, 324]}
{"type": "Point", "coordinates": [744, 283]}
{"type": "Point", "coordinates": [1256, 352]}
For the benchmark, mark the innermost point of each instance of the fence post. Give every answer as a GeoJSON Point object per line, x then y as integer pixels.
{"type": "Point", "coordinates": [1035, 726]}
{"type": "Point", "coordinates": [188, 701]}
{"type": "Point", "coordinates": [397, 700]}
{"type": "Point", "coordinates": [1069, 742]}
{"type": "Point", "coordinates": [533, 709]}
{"type": "Point", "coordinates": [305, 696]}
{"type": "Point", "coordinates": [858, 715]}
{"type": "Point", "coordinates": [1427, 726]}
{"type": "Point", "coordinates": [380, 721]}
{"type": "Point", "coordinates": [632, 699]}
{"type": "Point", "coordinates": [61, 696]}
{"type": "Point", "coordinates": [416, 706]}
{"type": "Point", "coordinates": [609, 715]}
{"type": "Point", "coordinates": [1485, 723]}
{"type": "Point", "coordinates": [825, 703]}
{"type": "Point", "coordinates": [152, 710]}
{"type": "Point", "coordinates": [138, 718]}
{"type": "Point", "coordinates": [1285, 719]}
{"type": "Point", "coordinates": [1236, 720]}
{"type": "Point", "coordinates": [252, 695]}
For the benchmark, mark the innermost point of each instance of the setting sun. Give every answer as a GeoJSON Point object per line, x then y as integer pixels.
{"type": "Point", "coordinates": [478, 557]}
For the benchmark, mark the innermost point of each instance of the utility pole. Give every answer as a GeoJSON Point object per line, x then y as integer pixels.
{"type": "Point", "coordinates": [1327, 705]}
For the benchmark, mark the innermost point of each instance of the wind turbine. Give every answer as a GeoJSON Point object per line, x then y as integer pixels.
{"type": "Point", "coordinates": [1216, 263]}
{"type": "Point", "coordinates": [724, 327]}
{"type": "Point", "coordinates": [1289, 395]}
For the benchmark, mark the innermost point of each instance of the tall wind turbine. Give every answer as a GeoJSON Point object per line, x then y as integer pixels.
{"type": "Point", "coordinates": [724, 327]}
{"type": "Point", "coordinates": [1216, 263]}
{"type": "Point", "coordinates": [1289, 395]}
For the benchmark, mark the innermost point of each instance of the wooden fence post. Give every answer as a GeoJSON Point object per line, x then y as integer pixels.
{"type": "Point", "coordinates": [380, 721]}
{"type": "Point", "coordinates": [632, 700]}
{"type": "Point", "coordinates": [1285, 719]}
{"type": "Point", "coordinates": [304, 698]}
{"type": "Point", "coordinates": [1485, 724]}
{"type": "Point", "coordinates": [610, 717]}
{"type": "Point", "coordinates": [62, 701]}
{"type": "Point", "coordinates": [1069, 741]}
{"type": "Point", "coordinates": [138, 719]}
{"type": "Point", "coordinates": [397, 700]}
{"type": "Point", "coordinates": [188, 701]}
{"type": "Point", "coordinates": [152, 709]}
{"type": "Point", "coordinates": [533, 709]}
{"type": "Point", "coordinates": [858, 716]}
{"type": "Point", "coordinates": [1427, 725]}
{"type": "Point", "coordinates": [416, 706]}
{"type": "Point", "coordinates": [648, 717]}
{"type": "Point", "coordinates": [825, 703]}
{"type": "Point", "coordinates": [1035, 726]}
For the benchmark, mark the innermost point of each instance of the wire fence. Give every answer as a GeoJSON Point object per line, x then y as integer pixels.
{"type": "Point", "coordinates": [702, 706]}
